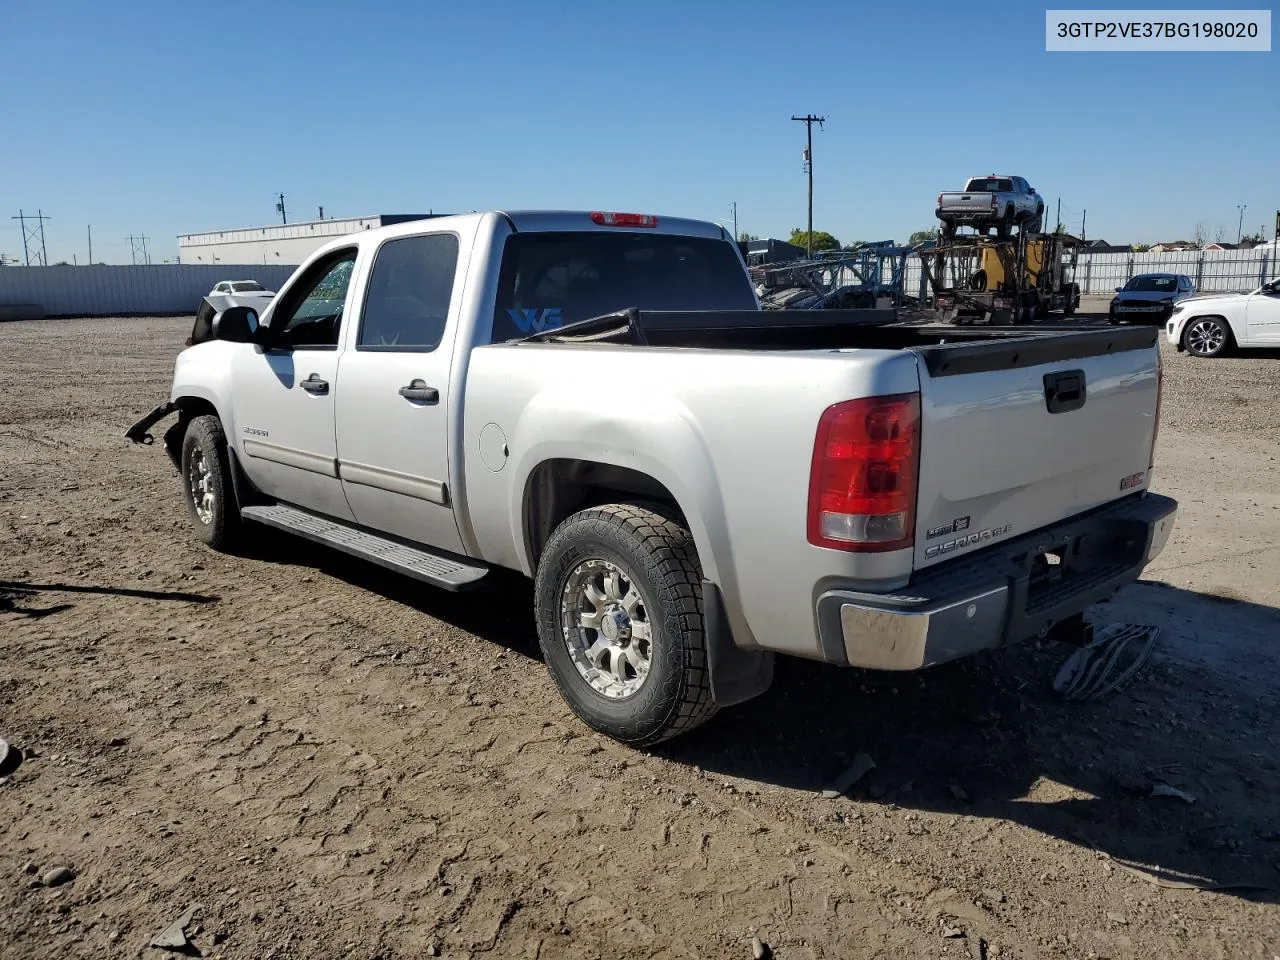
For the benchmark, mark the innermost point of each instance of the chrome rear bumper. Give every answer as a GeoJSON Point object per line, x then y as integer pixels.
{"type": "Point", "coordinates": [999, 595]}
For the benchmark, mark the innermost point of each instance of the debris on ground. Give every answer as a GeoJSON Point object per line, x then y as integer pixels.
{"type": "Point", "coordinates": [58, 876]}
{"type": "Point", "coordinates": [760, 950]}
{"type": "Point", "coordinates": [10, 758]}
{"type": "Point", "coordinates": [1164, 790]}
{"type": "Point", "coordinates": [174, 936]}
{"type": "Point", "coordinates": [861, 766]}
{"type": "Point", "coordinates": [1106, 662]}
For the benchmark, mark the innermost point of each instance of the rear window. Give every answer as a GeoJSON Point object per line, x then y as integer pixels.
{"type": "Point", "coordinates": [550, 279]}
{"type": "Point", "coordinates": [987, 185]}
{"type": "Point", "coordinates": [1152, 284]}
{"type": "Point", "coordinates": [246, 286]}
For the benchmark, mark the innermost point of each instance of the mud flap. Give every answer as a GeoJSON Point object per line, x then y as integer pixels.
{"type": "Point", "coordinates": [138, 432]}
{"type": "Point", "coordinates": [736, 675]}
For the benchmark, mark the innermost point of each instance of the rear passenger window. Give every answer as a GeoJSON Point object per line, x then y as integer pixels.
{"type": "Point", "coordinates": [410, 288]}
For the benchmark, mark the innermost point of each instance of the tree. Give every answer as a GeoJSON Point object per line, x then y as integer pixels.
{"type": "Point", "coordinates": [745, 237]}
{"type": "Point", "coordinates": [821, 240]}
{"type": "Point", "coordinates": [922, 236]}
{"type": "Point", "coordinates": [1141, 247]}
{"type": "Point", "coordinates": [1253, 238]}
{"type": "Point", "coordinates": [1201, 234]}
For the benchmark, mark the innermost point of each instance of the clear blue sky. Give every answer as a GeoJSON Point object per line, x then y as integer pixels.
{"type": "Point", "coordinates": [172, 117]}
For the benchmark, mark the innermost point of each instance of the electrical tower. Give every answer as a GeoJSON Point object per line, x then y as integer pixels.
{"type": "Point", "coordinates": [138, 247]}
{"type": "Point", "coordinates": [30, 235]}
{"type": "Point", "coordinates": [809, 120]}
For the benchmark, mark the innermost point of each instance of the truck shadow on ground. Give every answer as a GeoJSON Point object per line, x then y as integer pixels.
{"type": "Point", "coordinates": [988, 737]}
{"type": "Point", "coordinates": [15, 595]}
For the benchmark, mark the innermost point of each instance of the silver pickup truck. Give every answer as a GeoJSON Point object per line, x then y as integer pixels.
{"type": "Point", "coordinates": [999, 200]}
{"type": "Point", "coordinates": [597, 401]}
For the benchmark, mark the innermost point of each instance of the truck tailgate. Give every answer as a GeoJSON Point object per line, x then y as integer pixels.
{"type": "Point", "coordinates": [966, 202]}
{"type": "Point", "coordinates": [1019, 434]}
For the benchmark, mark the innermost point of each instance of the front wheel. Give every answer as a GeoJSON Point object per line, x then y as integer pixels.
{"type": "Point", "coordinates": [1206, 337]}
{"type": "Point", "coordinates": [206, 483]}
{"type": "Point", "coordinates": [620, 623]}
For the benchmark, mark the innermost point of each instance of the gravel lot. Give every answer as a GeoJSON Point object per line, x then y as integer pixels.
{"type": "Point", "coordinates": [334, 762]}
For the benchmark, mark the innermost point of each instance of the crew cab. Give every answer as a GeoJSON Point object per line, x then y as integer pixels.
{"type": "Point", "coordinates": [1210, 326]}
{"type": "Point", "coordinates": [999, 200]}
{"type": "Point", "coordinates": [597, 401]}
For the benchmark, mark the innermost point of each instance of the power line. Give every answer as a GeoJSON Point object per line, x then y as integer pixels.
{"type": "Point", "coordinates": [809, 120]}
{"type": "Point", "coordinates": [31, 234]}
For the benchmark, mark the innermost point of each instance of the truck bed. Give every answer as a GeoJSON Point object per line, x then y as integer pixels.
{"type": "Point", "coordinates": [946, 348]}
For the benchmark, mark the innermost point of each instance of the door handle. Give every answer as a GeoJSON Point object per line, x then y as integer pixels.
{"type": "Point", "coordinates": [1064, 392]}
{"type": "Point", "coordinates": [419, 391]}
{"type": "Point", "coordinates": [313, 384]}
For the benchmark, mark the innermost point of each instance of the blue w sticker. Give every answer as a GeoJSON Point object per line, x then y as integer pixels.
{"type": "Point", "coordinates": [534, 320]}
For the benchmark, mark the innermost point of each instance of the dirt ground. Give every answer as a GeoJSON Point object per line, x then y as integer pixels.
{"type": "Point", "coordinates": [331, 761]}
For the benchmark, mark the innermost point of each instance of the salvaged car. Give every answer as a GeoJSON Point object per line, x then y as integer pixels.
{"type": "Point", "coordinates": [694, 485]}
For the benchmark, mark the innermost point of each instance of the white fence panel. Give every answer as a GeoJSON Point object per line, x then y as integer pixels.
{"type": "Point", "coordinates": [1214, 271]}
{"type": "Point", "coordinates": [106, 290]}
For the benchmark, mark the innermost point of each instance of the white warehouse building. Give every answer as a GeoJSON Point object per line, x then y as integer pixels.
{"type": "Point", "coordinates": [286, 244]}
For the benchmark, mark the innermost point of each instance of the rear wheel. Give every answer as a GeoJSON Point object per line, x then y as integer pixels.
{"type": "Point", "coordinates": [1005, 227]}
{"type": "Point", "coordinates": [620, 623]}
{"type": "Point", "coordinates": [206, 483]}
{"type": "Point", "coordinates": [1206, 337]}
{"type": "Point", "coordinates": [1073, 302]}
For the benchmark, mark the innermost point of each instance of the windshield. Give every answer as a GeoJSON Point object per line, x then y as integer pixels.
{"type": "Point", "coordinates": [1153, 284]}
{"type": "Point", "coordinates": [550, 279]}
{"type": "Point", "coordinates": [246, 286]}
{"type": "Point", "coordinates": [988, 185]}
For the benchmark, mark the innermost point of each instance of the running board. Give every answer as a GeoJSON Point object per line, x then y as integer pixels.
{"type": "Point", "coordinates": [421, 564]}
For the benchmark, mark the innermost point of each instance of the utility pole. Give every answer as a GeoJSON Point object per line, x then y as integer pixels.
{"type": "Point", "coordinates": [280, 209]}
{"type": "Point", "coordinates": [91, 244]}
{"type": "Point", "coordinates": [1083, 217]}
{"type": "Point", "coordinates": [1057, 223]}
{"type": "Point", "coordinates": [809, 120]}
{"type": "Point", "coordinates": [735, 221]}
{"type": "Point", "coordinates": [30, 235]}
{"type": "Point", "coordinates": [1240, 223]}
{"type": "Point", "coordinates": [321, 217]}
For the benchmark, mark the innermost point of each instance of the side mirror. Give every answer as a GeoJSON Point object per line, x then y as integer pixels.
{"type": "Point", "coordinates": [1118, 289]}
{"type": "Point", "coordinates": [236, 325]}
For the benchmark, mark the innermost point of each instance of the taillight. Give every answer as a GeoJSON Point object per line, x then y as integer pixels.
{"type": "Point", "coordinates": [863, 480]}
{"type": "Point", "coordinates": [624, 219]}
{"type": "Point", "coordinates": [1155, 430]}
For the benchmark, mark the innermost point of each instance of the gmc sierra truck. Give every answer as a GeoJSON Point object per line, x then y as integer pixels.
{"type": "Point", "coordinates": [597, 401]}
{"type": "Point", "coordinates": [999, 200]}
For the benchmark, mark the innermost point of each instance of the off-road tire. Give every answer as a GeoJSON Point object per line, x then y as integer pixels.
{"type": "Point", "coordinates": [205, 436]}
{"type": "Point", "coordinates": [660, 557]}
